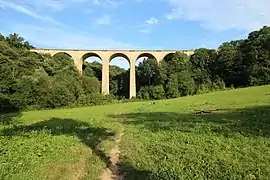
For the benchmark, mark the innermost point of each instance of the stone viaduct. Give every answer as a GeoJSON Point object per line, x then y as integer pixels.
{"type": "Point", "coordinates": [106, 56]}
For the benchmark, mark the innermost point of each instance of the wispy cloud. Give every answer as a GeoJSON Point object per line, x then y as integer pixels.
{"type": "Point", "coordinates": [223, 14]}
{"type": "Point", "coordinates": [103, 20]}
{"type": "Point", "coordinates": [146, 28]}
{"type": "Point", "coordinates": [54, 34]}
{"type": "Point", "coordinates": [152, 21]}
{"type": "Point", "coordinates": [107, 3]}
{"type": "Point", "coordinates": [24, 10]}
{"type": "Point", "coordinates": [52, 37]}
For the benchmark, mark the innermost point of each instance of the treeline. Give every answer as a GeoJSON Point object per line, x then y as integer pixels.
{"type": "Point", "coordinates": [33, 81]}
{"type": "Point", "coordinates": [234, 64]}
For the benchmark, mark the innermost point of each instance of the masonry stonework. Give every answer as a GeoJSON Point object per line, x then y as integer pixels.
{"type": "Point", "coordinates": [106, 56]}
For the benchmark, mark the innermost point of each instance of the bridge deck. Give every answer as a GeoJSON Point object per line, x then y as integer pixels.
{"type": "Point", "coordinates": [114, 50]}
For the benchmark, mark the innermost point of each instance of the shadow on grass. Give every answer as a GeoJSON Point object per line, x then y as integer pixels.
{"type": "Point", "coordinates": [90, 136]}
{"type": "Point", "coordinates": [8, 112]}
{"type": "Point", "coordinates": [252, 121]}
{"type": "Point", "coordinates": [131, 173]}
{"type": "Point", "coordinates": [10, 118]}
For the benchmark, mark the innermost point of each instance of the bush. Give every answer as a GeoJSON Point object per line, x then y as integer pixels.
{"type": "Point", "coordinates": [172, 87]}
{"type": "Point", "coordinates": [143, 93]}
{"type": "Point", "coordinates": [186, 83]}
{"type": "Point", "coordinates": [157, 92]}
{"type": "Point", "coordinates": [91, 85]}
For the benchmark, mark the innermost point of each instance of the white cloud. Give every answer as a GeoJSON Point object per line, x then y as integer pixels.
{"type": "Point", "coordinates": [58, 5]}
{"type": "Point", "coordinates": [51, 37]}
{"type": "Point", "coordinates": [152, 21]}
{"type": "Point", "coordinates": [146, 28]}
{"type": "Point", "coordinates": [104, 20]}
{"type": "Point", "coordinates": [222, 14]}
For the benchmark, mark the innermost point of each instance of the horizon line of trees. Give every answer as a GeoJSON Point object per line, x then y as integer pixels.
{"type": "Point", "coordinates": [33, 81]}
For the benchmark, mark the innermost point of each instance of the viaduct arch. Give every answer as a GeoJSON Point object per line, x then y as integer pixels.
{"type": "Point", "coordinates": [106, 56]}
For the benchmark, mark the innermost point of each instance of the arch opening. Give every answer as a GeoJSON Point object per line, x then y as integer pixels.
{"type": "Point", "coordinates": [92, 65]}
{"type": "Point", "coordinates": [147, 72]}
{"type": "Point", "coordinates": [119, 75]}
{"type": "Point", "coordinates": [91, 57]}
{"type": "Point", "coordinates": [38, 55]}
{"type": "Point", "coordinates": [119, 55]}
{"type": "Point", "coordinates": [168, 57]}
{"type": "Point", "coordinates": [62, 54]}
{"type": "Point", "coordinates": [63, 59]}
{"type": "Point", "coordinates": [142, 57]}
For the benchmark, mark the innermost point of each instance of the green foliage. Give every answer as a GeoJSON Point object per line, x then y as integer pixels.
{"type": "Point", "coordinates": [35, 81]}
{"type": "Point", "coordinates": [172, 87]}
{"type": "Point", "coordinates": [186, 83]}
{"type": "Point", "coordinates": [148, 73]}
{"type": "Point", "coordinates": [157, 92]}
{"type": "Point", "coordinates": [143, 93]}
{"type": "Point", "coordinates": [91, 85]}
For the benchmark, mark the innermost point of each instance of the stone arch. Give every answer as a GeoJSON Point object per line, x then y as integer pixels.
{"type": "Point", "coordinates": [167, 56]}
{"type": "Point", "coordinates": [64, 53]}
{"type": "Point", "coordinates": [90, 54]}
{"type": "Point", "coordinates": [148, 55]}
{"type": "Point", "coordinates": [119, 55]}
{"type": "Point", "coordinates": [124, 63]}
{"type": "Point", "coordinates": [97, 70]}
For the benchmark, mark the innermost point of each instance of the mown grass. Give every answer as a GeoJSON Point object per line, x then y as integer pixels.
{"type": "Point", "coordinates": [162, 140]}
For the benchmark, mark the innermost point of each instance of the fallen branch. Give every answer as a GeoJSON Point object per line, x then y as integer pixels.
{"type": "Point", "coordinates": [207, 111]}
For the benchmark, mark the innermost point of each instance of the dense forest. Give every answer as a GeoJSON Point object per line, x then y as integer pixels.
{"type": "Point", "coordinates": [33, 81]}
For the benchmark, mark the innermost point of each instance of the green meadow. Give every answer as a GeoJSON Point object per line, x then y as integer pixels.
{"type": "Point", "coordinates": [220, 135]}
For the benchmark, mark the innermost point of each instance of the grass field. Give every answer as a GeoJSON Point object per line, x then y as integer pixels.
{"type": "Point", "coordinates": [162, 140]}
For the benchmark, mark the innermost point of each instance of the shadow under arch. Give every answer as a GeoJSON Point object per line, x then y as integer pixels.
{"type": "Point", "coordinates": [62, 53]}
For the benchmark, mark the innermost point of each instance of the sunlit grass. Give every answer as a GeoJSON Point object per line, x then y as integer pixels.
{"type": "Point", "coordinates": [162, 140]}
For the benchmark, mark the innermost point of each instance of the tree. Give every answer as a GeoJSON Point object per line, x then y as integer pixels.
{"type": "Point", "coordinates": [203, 65]}
{"type": "Point", "coordinates": [186, 84]}
{"type": "Point", "coordinates": [256, 56]}
{"type": "Point", "coordinates": [148, 72]}
{"type": "Point", "coordinates": [172, 87]}
{"type": "Point", "coordinates": [157, 92]}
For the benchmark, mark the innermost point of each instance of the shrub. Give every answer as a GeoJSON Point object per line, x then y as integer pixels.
{"type": "Point", "coordinates": [143, 93]}
{"type": "Point", "coordinates": [157, 92]}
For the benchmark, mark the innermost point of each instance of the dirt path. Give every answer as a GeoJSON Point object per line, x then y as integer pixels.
{"type": "Point", "coordinates": [113, 173]}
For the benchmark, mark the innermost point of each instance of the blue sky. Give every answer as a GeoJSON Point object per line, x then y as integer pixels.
{"type": "Point", "coordinates": [132, 24]}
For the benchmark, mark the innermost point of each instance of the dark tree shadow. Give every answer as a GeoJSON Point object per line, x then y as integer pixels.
{"type": "Point", "coordinates": [90, 136]}
{"type": "Point", "coordinates": [129, 172]}
{"type": "Point", "coordinates": [252, 121]}
{"type": "Point", "coordinates": [8, 111]}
